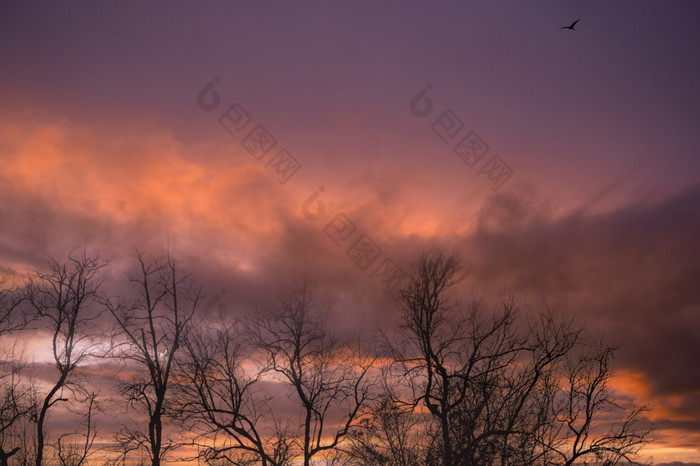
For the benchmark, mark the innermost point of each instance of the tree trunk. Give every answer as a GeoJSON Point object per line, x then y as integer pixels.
{"type": "Point", "coordinates": [307, 438]}
{"type": "Point", "coordinates": [42, 417]}
{"type": "Point", "coordinates": [446, 444]}
{"type": "Point", "coordinates": [154, 428]}
{"type": "Point", "coordinates": [6, 456]}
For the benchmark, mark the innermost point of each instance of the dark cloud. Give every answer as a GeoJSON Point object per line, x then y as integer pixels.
{"type": "Point", "coordinates": [631, 274]}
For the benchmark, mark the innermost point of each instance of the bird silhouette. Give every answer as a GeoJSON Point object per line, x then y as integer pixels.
{"type": "Point", "coordinates": [572, 25]}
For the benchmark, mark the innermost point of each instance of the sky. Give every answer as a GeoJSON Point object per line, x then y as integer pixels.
{"type": "Point", "coordinates": [263, 140]}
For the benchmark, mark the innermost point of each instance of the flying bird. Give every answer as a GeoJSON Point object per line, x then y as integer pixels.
{"type": "Point", "coordinates": [572, 25]}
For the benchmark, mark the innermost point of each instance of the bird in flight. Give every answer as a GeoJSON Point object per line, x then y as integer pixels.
{"type": "Point", "coordinates": [572, 25]}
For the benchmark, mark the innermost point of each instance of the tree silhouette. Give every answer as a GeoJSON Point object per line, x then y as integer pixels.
{"type": "Point", "coordinates": [390, 434]}
{"type": "Point", "coordinates": [74, 448]}
{"type": "Point", "coordinates": [16, 400]}
{"type": "Point", "coordinates": [149, 334]}
{"type": "Point", "coordinates": [225, 399]}
{"type": "Point", "coordinates": [61, 297]}
{"type": "Point", "coordinates": [456, 383]}
{"type": "Point", "coordinates": [588, 423]}
{"type": "Point", "coordinates": [12, 318]}
{"type": "Point", "coordinates": [493, 390]}
{"type": "Point", "coordinates": [299, 347]}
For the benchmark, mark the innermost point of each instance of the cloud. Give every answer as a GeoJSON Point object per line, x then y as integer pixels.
{"type": "Point", "coordinates": [630, 273]}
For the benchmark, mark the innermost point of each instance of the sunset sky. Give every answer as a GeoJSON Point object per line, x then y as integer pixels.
{"type": "Point", "coordinates": [564, 165]}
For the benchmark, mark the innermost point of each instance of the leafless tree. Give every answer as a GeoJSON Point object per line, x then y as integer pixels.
{"type": "Point", "coordinates": [75, 448]}
{"type": "Point", "coordinates": [61, 296]}
{"type": "Point", "coordinates": [17, 403]}
{"type": "Point", "coordinates": [16, 396]}
{"type": "Point", "coordinates": [148, 335]}
{"type": "Point", "coordinates": [328, 380]}
{"type": "Point", "coordinates": [390, 434]}
{"type": "Point", "coordinates": [520, 395]}
{"type": "Point", "coordinates": [12, 317]}
{"type": "Point", "coordinates": [589, 423]}
{"type": "Point", "coordinates": [224, 399]}
{"type": "Point", "coordinates": [450, 354]}
{"type": "Point", "coordinates": [490, 383]}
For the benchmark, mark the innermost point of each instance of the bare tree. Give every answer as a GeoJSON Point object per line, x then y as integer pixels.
{"type": "Point", "coordinates": [588, 423]}
{"type": "Point", "coordinates": [16, 400]}
{"type": "Point", "coordinates": [492, 388]}
{"type": "Point", "coordinates": [75, 448]}
{"type": "Point", "coordinates": [149, 334]}
{"type": "Point", "coordinates": [225, 399]}
{"type": "Point", "coordinates": [11, 316]}
{"type": "Point", "coordinates": [17, 404]}
{"type": "Point", "coordinates": [328, 380]}
{"type": "Point", "coordinates": [62, 296]}
{"type": "Point", "coordinates": [390, 434]}
{"type": "Point", "coordinates": [520, 394]}
{"type": "Point", "coordinates": [450, 355]}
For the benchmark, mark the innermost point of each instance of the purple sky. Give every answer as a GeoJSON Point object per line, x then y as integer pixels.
{"type": "Point", "coordinates": [103, 143]}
